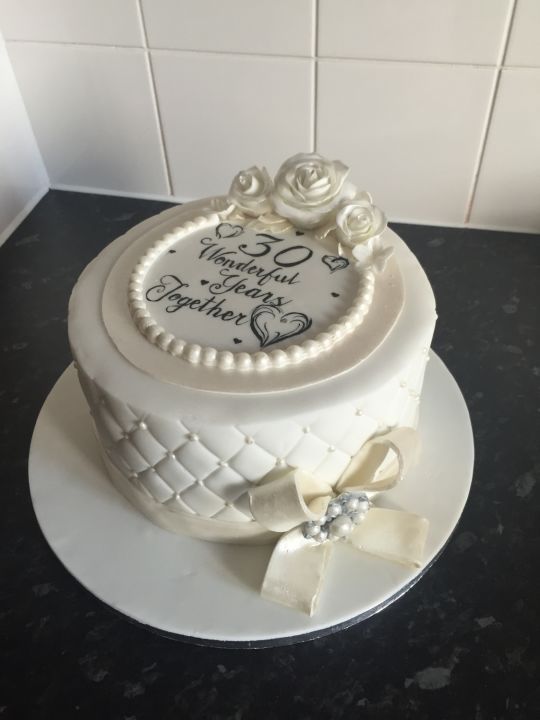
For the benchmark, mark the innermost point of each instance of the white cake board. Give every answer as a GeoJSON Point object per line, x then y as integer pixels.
{"type": "Point", "coordinates": [207, 592]}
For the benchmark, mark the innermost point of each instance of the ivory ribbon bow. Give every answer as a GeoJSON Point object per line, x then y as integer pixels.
{"type": "Point", "coordinates": [297, 504]}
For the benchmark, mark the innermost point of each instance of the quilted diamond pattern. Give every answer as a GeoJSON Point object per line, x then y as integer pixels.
{"type": "Point", "coordinates": [223, 444]}
{"type": "Point", "coordinates": [177, 504]}
{"type": "Point", "coordinates": [226, 483]}
{"type": "Point", "coordinates": [129, 454]}
{"type": "Point", "coordinates": [202, 500]}
{"type": "Point", "coordinates": [308, 453]}
{"type": "Point", "coordinates": [196, 458]}
{"type": "Point", "coordinates": [251, 461]}
{"type": "Point", "coordinates": [231, 514]}
{"type": "Point", "coordinates": [170, 434]}
{"type": "Point", "coordinates": [174, 473]}
{"type": "Point", "coordinates": [149, 448]}
{"type": "Point", "coordinates": [155, 485]}
{"type": "Point", "coordinates": [107, 424]}
{"type": "Point", "coordinates": [279, 444]}
{"type": "Point", "coordinates": [207, 470]}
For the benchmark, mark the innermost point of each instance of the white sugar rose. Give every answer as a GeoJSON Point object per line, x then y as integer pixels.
{"type": "Point", "coordinates": [250, 191]}
{"type": "Point", "coordinates": [307, 188]}
{"type": "Point", "coordinates": [359, 221]}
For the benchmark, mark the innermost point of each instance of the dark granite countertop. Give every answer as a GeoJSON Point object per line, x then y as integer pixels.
{"type": "Point", "coordinates": [463, 643]}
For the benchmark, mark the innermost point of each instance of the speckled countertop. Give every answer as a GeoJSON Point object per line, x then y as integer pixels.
{"type": "Point", "coordinates": [463, 643]}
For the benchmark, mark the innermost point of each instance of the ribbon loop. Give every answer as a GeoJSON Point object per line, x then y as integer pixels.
{"type": "Point", "coordinates": [289, 500]}
{"type": "Point", "coordinates": [382, 461]}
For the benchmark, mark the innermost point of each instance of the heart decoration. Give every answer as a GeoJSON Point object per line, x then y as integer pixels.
{"type": "Point", "coordinates": [335, 262]}
{"type": "Point", "coordinates": [226, 230]}
{"type": "Point", "coordinates": [205, 282]}
{"type": "Point", "coordinates": [236, 341]}
{"type": "Point", "coordinates": [334, 294]}
{"type": "Point", "coordinates": [270, 325]}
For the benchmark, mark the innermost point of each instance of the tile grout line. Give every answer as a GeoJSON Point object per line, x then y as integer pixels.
{"type": "Point", "coordinates": [509, 25]}
{"type": "Point", "coordinates": [270, 56]}
{"type": "Point", "coordinates": [144, 47]}
{"type": "Point", "coordinates": [490, 112]}
{"type": "Point", "coordinates": [482, 146]}
{"type": "Point", "coordinates": [155, 104]}
{"type": "Point", "coordinates": [315, 75]}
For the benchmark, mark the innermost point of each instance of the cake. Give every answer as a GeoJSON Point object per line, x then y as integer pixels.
{"type": "Point", "coordinates": [278, 331]}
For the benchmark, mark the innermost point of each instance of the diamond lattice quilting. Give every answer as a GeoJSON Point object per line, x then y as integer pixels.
{"type": "Point", "coordinates": [155, 485]}
{"type": "Point", "coordinates": [208, 470]}
{"type": "Point", "coordinates": [174, 473]}
{"type": "Point", "coordinates": [223, 444]}
{"type": "Point", "coordinates": [199, 461]}
{"type": "Point", "coordinates": [279, 444]}
{"type": "Point", "coordinates": [226, 483]}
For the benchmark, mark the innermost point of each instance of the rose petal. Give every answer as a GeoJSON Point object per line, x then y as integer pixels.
{"type": "Point", "coordinates": [250, 191]}
{"type": "Point", "coordinates": [303, 218]}
{"type": "Point", "coordinates": [364, 196]}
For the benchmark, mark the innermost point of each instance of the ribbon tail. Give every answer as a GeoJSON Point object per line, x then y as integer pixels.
{"type": "Point", "coordinates": [393, 535]}
{"type": "Point", "coordinates": [295, 572]}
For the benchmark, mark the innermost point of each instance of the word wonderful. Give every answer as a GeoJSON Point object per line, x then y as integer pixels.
{"type": "Point", "coordinates": [220, 256]}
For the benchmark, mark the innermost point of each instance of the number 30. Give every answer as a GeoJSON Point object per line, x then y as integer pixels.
{"type": "Point", "coordinates": [301, 253]}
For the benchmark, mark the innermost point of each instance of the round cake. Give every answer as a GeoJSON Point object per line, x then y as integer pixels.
{"type": "Point", "coordinates": [227, 341]}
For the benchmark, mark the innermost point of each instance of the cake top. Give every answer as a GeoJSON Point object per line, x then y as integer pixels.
{"type": "Point", "coordinates": [276, 273]}
{"type": "Point", "coordinates": [276, 298]}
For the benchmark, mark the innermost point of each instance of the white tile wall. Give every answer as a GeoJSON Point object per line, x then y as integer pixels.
{"type": "Point", "coordinates": [454, 31]}
{"type": "Point", "coordinates": [524, 44]}
{"type": "Point", "coordinates": [508, 192]}
{"type": "Point", "coordinates": [101, 22]}
{"type": "Point", "coordinates": [273, 27]}
{"type": "Point", "coordinates": [411, 132]}
{"type": "Point", "coordinates": [92, 113]}
{"type": "Point", "coordinates": [23, 178]}
{"type": "Point", "coordinates": [221, 113]}
{"type": "Point", "coordinates": [406, 91]}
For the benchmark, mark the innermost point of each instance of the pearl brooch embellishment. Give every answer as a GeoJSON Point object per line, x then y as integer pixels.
{"type": "Point", "coordinates": [343, 514]}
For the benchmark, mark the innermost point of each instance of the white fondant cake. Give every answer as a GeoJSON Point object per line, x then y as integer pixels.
{"type": "Point", "coordinates": [226, 341]}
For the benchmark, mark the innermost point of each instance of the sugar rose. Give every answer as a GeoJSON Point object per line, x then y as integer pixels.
{"type": "Point", "coordinates": [307, 188]}
{"type": "Point", "coordinates": [250, 191]}
{"type": "Point", "coordinates": [359, 220]}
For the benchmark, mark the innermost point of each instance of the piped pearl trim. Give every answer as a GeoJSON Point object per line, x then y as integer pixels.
{"type": "Point", "coordinates": [225, 359]}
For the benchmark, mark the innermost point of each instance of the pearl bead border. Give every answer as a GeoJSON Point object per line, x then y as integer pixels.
{"type": "Point", "coordinates": [225, 359]}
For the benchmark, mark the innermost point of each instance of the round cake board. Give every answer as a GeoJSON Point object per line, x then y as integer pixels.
{"type": "Point", "coordinates": [208, 593]}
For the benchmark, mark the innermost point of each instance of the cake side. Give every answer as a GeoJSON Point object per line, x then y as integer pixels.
{"type": "Point", "coordinates": [184, 470]}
